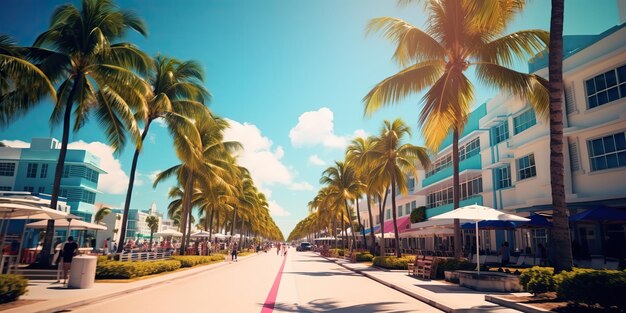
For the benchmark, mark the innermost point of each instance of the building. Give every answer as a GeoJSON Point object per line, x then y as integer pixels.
{"type": "Point", "coordinates": [32, 169]}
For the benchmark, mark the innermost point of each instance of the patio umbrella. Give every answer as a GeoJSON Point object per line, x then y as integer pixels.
{"type": "Point", "coordinates": [479, 213]}
{"type": "Point", "coordinates": [490, 225]}
{"type": "Point", "coordinates": [69, 223]}
{"type": "Point", "coordinates": [200, 234]}
{"type": "Point", "coordinates": [601, 215]}
{"type": "Point", "coordinates": [169, 233]}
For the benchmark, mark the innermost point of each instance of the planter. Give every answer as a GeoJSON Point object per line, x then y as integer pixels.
{"type": "Point", "coordinates": [452, 276]}
{"type": "Point", "coordinates": [493, 282]}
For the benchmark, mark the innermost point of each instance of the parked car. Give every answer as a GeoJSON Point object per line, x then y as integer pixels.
{"type": "Point", "coordinates": [304, 246]}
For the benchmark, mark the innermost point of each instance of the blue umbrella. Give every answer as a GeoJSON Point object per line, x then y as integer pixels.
{"type": "Point", "coordinates": [536, 221]}
{"type": "Point", "coordinates": [600, 214]}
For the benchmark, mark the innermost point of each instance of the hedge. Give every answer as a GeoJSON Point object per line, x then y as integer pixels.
{"type": "Point", "coordinates": [193, 260]}
{"type": "Point", "coordinates": [125, 270]}
{"type": "Point", "coordinates": [452, 265]}
{"type": "Point", "coordinates": [392, 262]}
{"type": "Point", "coordinates": [336, 252]}
{"type": "Point", "coordinates": [587, 286]}
{"type": "Point", "coordinates": [12, 287]}
{"type": "Point", "coordinates": [364, 257]}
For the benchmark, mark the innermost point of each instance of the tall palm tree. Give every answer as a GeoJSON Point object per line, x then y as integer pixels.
{"type": "Point", "coordinates": [176, 91]}
{"type": "Point", "coordinates": [460, 34]}
{"type": "Point", "coordinates": [99, 216]}
{"type": "Point", "coordinates": [22, 84]}
{"type": "Point", "coordinates": [392, 160]}
{"type": "Point", "coordinates": [153, 223]}
{"type": "Point", "coordinates": [356, 157]}
{"type": "Point", "coordinates": [561, 247]}
{"type": "Point", "coordinates": [344, 186]}
{"type": "Point", "coordinates": [94, 74]}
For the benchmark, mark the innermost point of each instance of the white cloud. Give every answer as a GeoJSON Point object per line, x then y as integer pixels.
{"type": "Point", "coordinates": [16, 143]}
{"type": "Point", "coordinates": [315, 160]}
{"type": "Point", "coordinates": [153, 175]}
{"type": "Point", "coordinates": [276, 209]}
{"type": "Point", "coordinates": [115, 181]}
{"type": "Point", "coordinates": [301, 186]}
{"type": "Point", "coordinates": [161, 122]}
{"type": "Point", "coordinates": [317, 128]}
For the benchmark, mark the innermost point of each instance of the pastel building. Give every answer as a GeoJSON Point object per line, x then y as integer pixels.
{"type": "Point", "coordinates": [32, 169]}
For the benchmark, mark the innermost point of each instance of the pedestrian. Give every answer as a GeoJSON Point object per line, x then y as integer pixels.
{"type": "Point", "coordinates": [233, 254]}
{"type": "Point", "coordinates": [542, 255]}
{"type": "Point", "coordinates": [277, 248]}
{"type": "Point", "coordinates": [505, 253]}
{"type": "Point", "coordinates": [70, 249]}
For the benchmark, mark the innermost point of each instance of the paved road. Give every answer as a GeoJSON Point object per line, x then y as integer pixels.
{"type": "Point", "coordinates": [308, 283]}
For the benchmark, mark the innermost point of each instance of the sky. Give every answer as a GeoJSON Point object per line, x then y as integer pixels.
{"type": "Point", "coordinates": [289, 75]}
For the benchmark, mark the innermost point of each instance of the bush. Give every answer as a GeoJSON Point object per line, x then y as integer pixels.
{"type": "Point", "coordinates": [418, 214]}
{"type": "Point", "coordinates": [334, 253]}
{"type": "Point", "coordinates": [604, 287]}
{"type": "Point", "coordinates": [392, 262]}
{"type": "Point", "coordinates": [125, 270]}
{"type": "Point", "coordinates": [452, 265]}
{"type": "Point", "coordinates": [538, 280]}
{"type": "Point", "coordinates": [193, 260]}
{"type": "Point", "coordinates": [12, 287]}
{"type": "Point", "coordinates": [364, 257]}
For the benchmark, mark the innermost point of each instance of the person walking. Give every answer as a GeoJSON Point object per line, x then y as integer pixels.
{"type": "Point", "coordinates": [70, 249]}
{"type": "Point", "coordinates": [505, 253]}
{"type": "Point", "coordinates": [233, 254]}
{"type": "Point", "coordinates": [277, 248]}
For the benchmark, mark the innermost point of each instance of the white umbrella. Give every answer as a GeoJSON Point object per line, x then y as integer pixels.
{"type": "Point", "coordinates": [220, 235]}
{"type": "Point", "coordinates": [200, 234]}
{"type": "Point", "coordinates": [169, 233]}
{"type": "Point", "coordinates": [69, 223]}
{"type": "Point", "coordinates": [478, 213]}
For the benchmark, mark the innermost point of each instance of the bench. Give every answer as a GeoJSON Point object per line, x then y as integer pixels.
{"type": "Point", "coordinates": [423, 267]}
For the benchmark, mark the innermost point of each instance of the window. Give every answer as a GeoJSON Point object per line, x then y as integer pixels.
{"type": "Point", "coordinates": [88, 197]}
{"type": "Point", "coordinates": [500, 132]}
{"type": "Point", "coordinates": [31, 172]}
{"type": "Point", "coordinates": [503, 177]}
{"type": "Point", "coordinates": [526, 167]}
{"type": "Point", "coordinates": [41, 189]}
{"type": "Point", "coordinates": [524, 121]}
{"type": "Point", "coordinates": [5, 188]}
{"type": "Point", "coordinates": [470, 149]}
{"type": "Point", "coordinates": [29, 188]}
{"type": "Point", "coordinates": [66, 171]}
{"type": "Point", "coordinates": [44, 170]}
{"type": "Point", "coordinates": [411, 184]}
{"type": "Point", "coordinates": [606, 87]}
{"type": "Point", "coordinates": [607, 152]}
{"type": "Point", "coordinates": [388, 214]}
{"type": "Point", "coordinates": [7, 169]}
{"type": "Point", "coordinates": [468, 188]}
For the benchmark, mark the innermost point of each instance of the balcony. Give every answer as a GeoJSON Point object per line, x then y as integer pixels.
{"type": "Point", "coordinates": [471, 163]}
{"type": "Point", "coordinates": [476, 199]}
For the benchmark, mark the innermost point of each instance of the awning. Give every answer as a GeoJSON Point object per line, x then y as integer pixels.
{"type": "Point", "coordinates": [369, 230]}
{"type": "Point", "coordinates": [600, 214]}
{"type": "Point", "coordinates": [403, 224]}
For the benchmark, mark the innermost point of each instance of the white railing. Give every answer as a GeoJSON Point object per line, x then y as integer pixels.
{"type": "Point", "coordinates": [145, 256]}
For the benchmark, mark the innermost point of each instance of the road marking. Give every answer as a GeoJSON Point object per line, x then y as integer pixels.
{"type": "Point", "coordinates": [270, 301]}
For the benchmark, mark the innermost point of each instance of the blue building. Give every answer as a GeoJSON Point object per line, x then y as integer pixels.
{"type": "Point", "coordinates": [32, 170]}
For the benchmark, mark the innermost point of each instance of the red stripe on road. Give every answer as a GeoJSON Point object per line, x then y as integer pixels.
{"type": "Point", "coordinates": [270, 301]}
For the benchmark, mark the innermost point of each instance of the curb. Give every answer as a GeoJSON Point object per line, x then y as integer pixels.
{"type": "Point", "coordinates": [398, 288]}
{"type": "Point", "coordinates": [108, 296]}
{"type": "Point", "coordinates": [514, 305]}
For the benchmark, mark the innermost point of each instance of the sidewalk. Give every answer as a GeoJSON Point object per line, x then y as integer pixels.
{"type": "Point", "coordinates": [442, 295]}
{"type": "Point", "coordinates": [56, 298]}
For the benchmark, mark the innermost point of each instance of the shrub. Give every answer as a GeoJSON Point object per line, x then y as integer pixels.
{"type": "Point", "coordinates": [244, 253]}
{"type": "Point", "coordinates": [452, 265]}
{"type": "Point", "coordinates": [12, 287]}
{"type": "Point", "coordinates": [103, 258]}
{"type": "Point", "coordinates": [418, 214]}
{"type": "Point", "coordinates": [125, 270]}
{"type": "Point", "coordinates": [193, 260]}
{"type": "Point", "coordinates": [604, 287]}
{"type": "Point", "coordinates": [538, 280]}
{"type": "Point", "coordinates": [335, 252]}
{"type": "Point", "coordinates": [364, 257]}
{"type": "Point", "coordinates": [392, 262]}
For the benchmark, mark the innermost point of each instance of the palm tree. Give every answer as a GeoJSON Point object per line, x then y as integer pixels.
{"type": "Point", "coordinates": [153, 224]}
{"type": "Point", "coordinates": [344, 186]}
{"type": "Point", "coordinates": [561, 247]}
{"type": "Point", "coordinates": [99, 216]}
{"type": "Point", "coordinates": [393, 160]}
{"type": "Point", "coordinates": [94, 73]}
{"type": "Point", "coordinates": [460, 34]}
{"type": "Point", "coordinates": [22, 84]}
{"type": "Point", "coordinates": [176, 91]}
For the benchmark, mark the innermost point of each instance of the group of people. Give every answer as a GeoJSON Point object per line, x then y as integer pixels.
{"type": "Point", "coordinates": [281, 249]}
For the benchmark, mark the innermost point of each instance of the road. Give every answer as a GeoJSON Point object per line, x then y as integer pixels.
{"type": "Point", "coordinates": [307, 283]}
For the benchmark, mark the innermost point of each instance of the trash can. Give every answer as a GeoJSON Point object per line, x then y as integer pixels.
{"type": "Point", "coordinates": [82, 272]}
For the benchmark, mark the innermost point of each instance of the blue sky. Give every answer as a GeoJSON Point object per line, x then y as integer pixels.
{"type": "Point", "coordinates": [290, 75]}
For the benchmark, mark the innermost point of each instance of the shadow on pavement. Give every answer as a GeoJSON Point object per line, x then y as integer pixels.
{"type": "Point", "coordinates": [481, 308]}
{"type": "Point", "coordinates": [327, 305]}
{"type": "Point", "coordinates": [323, 273]}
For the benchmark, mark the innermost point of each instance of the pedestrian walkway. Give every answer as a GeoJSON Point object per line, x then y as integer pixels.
{"type": "Point", "coordinates": [442, 295]}
{"type": "Point", "coordinates": [53, 297]}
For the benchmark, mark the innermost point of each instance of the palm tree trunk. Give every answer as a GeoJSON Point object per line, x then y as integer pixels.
{"type": "Point", "coordinates": [211, 224]}
{"type": "Point", "coordinates": [189, 221]}
{"type": "Point", "coordinates": [351, 226]}
{"type": "Point", "coordinates": [381, 211]}
{"type": "Point", "coordinates": [241, 233]}
{"type": "Point", "coordinates": [58, 174]}
{"type": "Point", "coordinates": [458, 253]}
{"type": "Point", "coordinates": [369, 211]}
{"type": "Point", "coordinates": [335, 232]}
{"type": "Point", "coordinates": [151, 234]}
{"type": "Point", "coordinates": [232, 226]}
{"type": "Point", "coordinates": [129, 191]}
{"type": "Point", "coordinates": [186, 207]}
{"type": "Point", "coordinates": [561, 247]}
{"type": "Point", "coordinates": [343, 231]}
{"type": "Point", "coordinates": [393, 212]}
{"type": "Point", "coordinates": [358, 216]}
